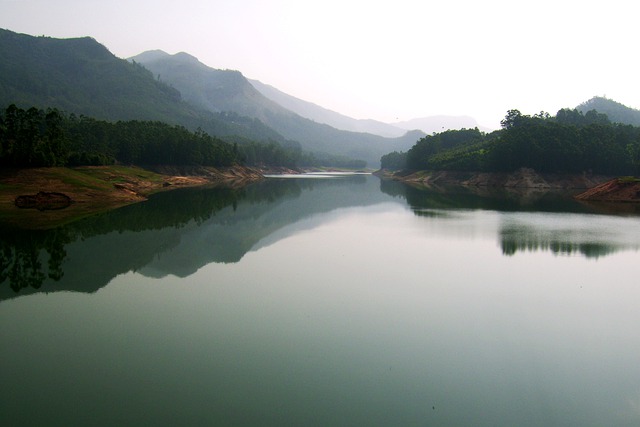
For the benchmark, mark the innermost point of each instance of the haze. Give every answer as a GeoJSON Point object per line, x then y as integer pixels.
{"type": "Point", "coordinates": [385, 60]}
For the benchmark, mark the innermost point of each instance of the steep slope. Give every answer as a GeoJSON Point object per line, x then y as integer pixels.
{"type": "Point", "coordinates": [81, 76]}
{"type": "Point", "coordinates": [617, 112]}
{"type": "Point", "coordinates": [225, 90]}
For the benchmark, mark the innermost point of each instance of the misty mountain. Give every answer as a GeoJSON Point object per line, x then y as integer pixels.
{"type": "Point", "coordinates": [617, 112]}
{"type": "Point", "coordinates": [82, 77]}
{"type": "Point", "coordinates": [208, 88]}
{"type": "Point", "coordinates": [228, 90]}
{"type": "Point", "coordinates": [319, 114]}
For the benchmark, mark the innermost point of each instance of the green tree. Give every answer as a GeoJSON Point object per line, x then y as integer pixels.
{"type": "Point", "coordinates": [32, 138]}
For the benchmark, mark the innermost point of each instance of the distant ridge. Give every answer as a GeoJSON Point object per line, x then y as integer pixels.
{"type": "Point", "coordinates": [228, 90]}
{"type": "Point", "coordinates": [319, 114]}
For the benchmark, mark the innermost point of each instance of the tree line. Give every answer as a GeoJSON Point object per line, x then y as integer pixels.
{"type": "Point", "coordinates": [42, 138]}
{"type": "Point", "coordinates": [569, 142]}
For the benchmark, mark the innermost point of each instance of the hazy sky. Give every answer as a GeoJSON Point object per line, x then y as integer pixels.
{"type": "Point", "coordinates": [386, 60]}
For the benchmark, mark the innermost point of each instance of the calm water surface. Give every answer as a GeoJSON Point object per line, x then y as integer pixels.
{"type": "Point", "coordinates": [333, 301]}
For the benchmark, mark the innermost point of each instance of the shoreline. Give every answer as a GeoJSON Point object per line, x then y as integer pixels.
{"type": "Point", "coordinates": [95, 189]}
{"type": "Point", "coordinates": [32, 198]}
{"type": "Point", "coordinates": [524, 178]}
{"type": "Point", "coordinates": [586, 187]}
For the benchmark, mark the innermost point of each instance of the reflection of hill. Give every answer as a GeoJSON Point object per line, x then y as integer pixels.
{"type": "Point", "coordinates": [227, 238]}
{"type": "Point", "coordinates": [544, 221]}
{"type": "Point", "coordinates": [175, 232]}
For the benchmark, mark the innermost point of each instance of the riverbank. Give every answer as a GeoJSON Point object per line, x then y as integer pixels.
{"type": "Point", "coordinates": [93, 189]}
{"type": "Point", "coordinates": [523, 178]}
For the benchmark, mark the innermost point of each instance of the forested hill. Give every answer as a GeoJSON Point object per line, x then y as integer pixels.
{"type": "Point", "coordinates": [228, 90]}
{"type": "Point", "coordinates": [82, 77]}
{"type": "Point", "coordinates": [569, 142]}
{"type": "Point", "coordinates": [615, 111]}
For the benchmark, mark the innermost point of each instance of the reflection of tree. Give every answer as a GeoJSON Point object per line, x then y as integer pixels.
{"type": "Point", "coordinates": [519, 236]}
{"type": "Point", "coordinates": [173, 232]}
{"type": "Point", "coordinates": [29, 257]}
{"type": "Point", "coordinates": [525, 239]}
{"type": "Point", "coordinates": [590, 250]}
{"type": "Point", "coordinates": [21, 257]}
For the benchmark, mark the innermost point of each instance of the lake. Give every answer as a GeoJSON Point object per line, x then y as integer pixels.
{"type": "Point", "coordinates": [325, 300]}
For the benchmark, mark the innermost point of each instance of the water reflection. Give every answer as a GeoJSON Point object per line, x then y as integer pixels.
{"type": "Point", "coordinates": [531, 220]}
{"type": "Point", "coordinates": [355, 311]}
{"type": "Point", "coordinates": [179, 232]}
{"type": "Point", "coordinates": [29, 258]}
{"type": "Point", "coordinates": [175, 232]}
{"type": "Point", "coordinates": [21, 261]}
{"type": "Point", "coordinates": [592, 236]}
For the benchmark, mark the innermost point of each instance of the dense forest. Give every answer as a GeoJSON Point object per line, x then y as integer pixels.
{"type": "Point", "coordinates": [41, 138]}
{"type": "Point", "coordinates": [569, 142]}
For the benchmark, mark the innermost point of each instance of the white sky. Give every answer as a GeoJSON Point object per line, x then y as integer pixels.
{"type": "Point", "coordinates": [385, 60]}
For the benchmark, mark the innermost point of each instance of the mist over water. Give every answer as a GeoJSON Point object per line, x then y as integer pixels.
{"type": "Point", "coordinates": [340, 301]}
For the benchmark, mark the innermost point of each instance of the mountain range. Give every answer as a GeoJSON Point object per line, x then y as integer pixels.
{"type": "Point", "coordinates": [82, 77]}
{"type": "Point", "coordinates": [228, 90]}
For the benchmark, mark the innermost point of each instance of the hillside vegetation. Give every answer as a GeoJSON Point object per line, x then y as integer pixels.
{"type": "Point", "coordinates": [80, 76]}
{"type": "Point", "coordinates": [569, 142]}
